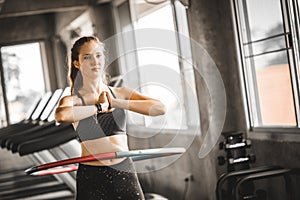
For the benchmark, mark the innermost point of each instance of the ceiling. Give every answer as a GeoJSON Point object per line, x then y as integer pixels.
{"type": "Point", "coordinates": [16, 8]}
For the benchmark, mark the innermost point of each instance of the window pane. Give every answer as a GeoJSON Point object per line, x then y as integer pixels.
{"type": "Point", "coordinates": [264, 20]}
{"type": "Point", "coordinates": [160, 17]}
{"type": "Point", "coordinates": [156, 70]}
{"type": "Point", "coordinates": [156, 64]}
{"type": "Point", "coordinates": [275, 90]}
{"type": "Point", "coordinates": [267, 67]}
{"type": "Point", "coordinates": [24, 79]}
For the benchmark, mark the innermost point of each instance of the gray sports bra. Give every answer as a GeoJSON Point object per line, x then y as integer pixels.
{"type": "Point", "coordinates": [105, 124]}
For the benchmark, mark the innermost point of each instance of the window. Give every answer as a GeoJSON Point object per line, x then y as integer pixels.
{"type": "Point", "coordinates": [152, 60]}
{"type": "Point", "coordinates": [269, 44]}
{"type": "Point", "coordinates": [23, 80]}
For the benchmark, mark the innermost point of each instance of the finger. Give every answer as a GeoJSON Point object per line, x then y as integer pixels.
{"type": "Point", "coordinates": [109, 99]}
{"type": "Point", "coordinates": [102, 97]}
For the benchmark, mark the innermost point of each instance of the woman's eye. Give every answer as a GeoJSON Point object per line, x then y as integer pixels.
{"type": "Point", "coordinates": [86, 57]}
{"type": "Point", "coordinates": [98, 56]}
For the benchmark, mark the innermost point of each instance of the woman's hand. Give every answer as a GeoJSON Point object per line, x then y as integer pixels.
{"type": "Point", "coordinates": [105, 101]}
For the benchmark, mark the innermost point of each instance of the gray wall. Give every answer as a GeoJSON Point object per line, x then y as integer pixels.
{"type": "Point", "coordinates": [210, 24]}
{"type": "Point", "coordinates": [62, 20]}
{"type": "Point", "coordinates": [102, 19]}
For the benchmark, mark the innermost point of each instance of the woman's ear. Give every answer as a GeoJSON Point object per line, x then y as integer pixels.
{"type": "Point", "coordinates": [76, 64]}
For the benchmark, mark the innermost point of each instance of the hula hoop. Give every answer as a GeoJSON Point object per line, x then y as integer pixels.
{"type": "Point", "coordinates": [136, 155]}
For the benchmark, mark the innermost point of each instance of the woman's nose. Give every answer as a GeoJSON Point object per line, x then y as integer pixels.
{"type": "Point", "coordinates": [95, 60]}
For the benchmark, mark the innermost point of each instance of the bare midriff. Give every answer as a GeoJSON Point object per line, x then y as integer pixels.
{"type": "Point", "coordinates": [114, 143]}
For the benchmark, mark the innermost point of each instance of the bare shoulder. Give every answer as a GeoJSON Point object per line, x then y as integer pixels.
{"type": "Point", "coordinates": [119, 92]}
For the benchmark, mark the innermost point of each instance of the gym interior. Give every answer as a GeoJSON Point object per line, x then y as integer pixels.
{"type": "Point", "coordinates": [226, 70]}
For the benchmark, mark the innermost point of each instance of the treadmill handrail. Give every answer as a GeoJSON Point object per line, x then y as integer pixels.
{"type": "Point", "coordinates": [32, 108]}
{"type": "Point", "coordinates": [38, 111]}
{"type": "Point", "coordinates": [51, 104]}
{"type": "Point", "coordinates": [51, 117]}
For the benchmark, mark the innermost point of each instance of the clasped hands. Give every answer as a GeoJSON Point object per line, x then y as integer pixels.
{"type": "Point", "coordinates": [105, 100]}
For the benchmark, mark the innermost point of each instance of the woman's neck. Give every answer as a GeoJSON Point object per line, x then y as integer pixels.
{"type": "Point", "coordinates": [96, 86]}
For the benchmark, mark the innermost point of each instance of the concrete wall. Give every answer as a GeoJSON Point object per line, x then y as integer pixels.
{"type": "Point", "coordinates": [102, 19]}
{"type": "Point", "coordinates": [61, 53]}
{"type": "Point", "coordinates": [210, 24]}
{"type": "Point", "coordinates": [26, 28]}
{"type": "Point", "coordinates": [186, 178]}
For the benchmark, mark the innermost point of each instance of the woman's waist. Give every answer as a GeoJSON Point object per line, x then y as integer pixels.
{"type": "Point", "coordinates": [115, 143]}
{"type": "Point", "coordinates": [108, 144]}
{"type": "Point", "coordinates": [94, 134]}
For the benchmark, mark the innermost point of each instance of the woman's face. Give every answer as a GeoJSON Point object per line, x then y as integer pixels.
{"type": "Point", "coordinates": [91, 60]}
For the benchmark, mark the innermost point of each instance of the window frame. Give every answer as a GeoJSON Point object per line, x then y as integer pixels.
{"type": "Point", "coordinates": [45, 70]}
{"type": "Point", "coordinates": [3, 88]}
{"type": "Point", "coordinates": [291, 24]}
{"type": "Point", "coordinates": [183, 70]}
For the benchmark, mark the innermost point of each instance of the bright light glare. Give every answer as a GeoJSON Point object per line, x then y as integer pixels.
{"type": "Point", "coordinates": [29, 63]}
{"type": "Point", "coordinates": [24, 77]}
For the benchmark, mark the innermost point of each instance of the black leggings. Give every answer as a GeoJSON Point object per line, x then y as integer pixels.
{"type": "Point", "coordinates": [119, 181]}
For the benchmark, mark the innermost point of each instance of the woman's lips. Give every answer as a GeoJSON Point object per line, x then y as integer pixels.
{"type": "Point", "coordinates": [96, 69]}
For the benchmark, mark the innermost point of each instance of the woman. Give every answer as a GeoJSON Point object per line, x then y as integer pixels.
{"type": "Point", "coordinates": [97, 113]}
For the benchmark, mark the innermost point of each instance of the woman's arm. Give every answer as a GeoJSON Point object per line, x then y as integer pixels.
{"type": "Point", "coordinates": [69, 110]}
{"type": "Point", "coordinates": [136, 102]}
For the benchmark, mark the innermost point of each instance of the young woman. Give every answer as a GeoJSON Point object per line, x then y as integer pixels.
{"type": "Point", "coordinates": [97, 112]}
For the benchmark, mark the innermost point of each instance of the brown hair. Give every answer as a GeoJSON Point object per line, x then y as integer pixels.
{"type": "Point", "coordinates": [75, 75]}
